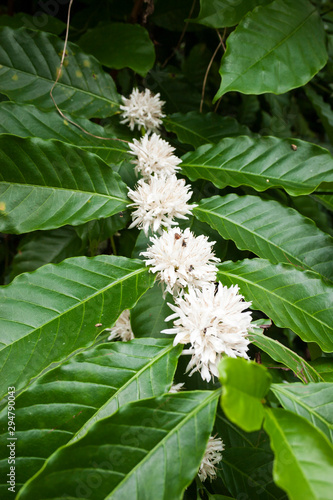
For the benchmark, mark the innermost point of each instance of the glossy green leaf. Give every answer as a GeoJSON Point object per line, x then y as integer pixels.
{"type": "Point", "coordinates": [312, 401]}
{"type": "Point", "coordinates": [197, 129]}
{"type": "Point", "coordinates": [324, 366]}
{"type": "Point", "coordinates": [139, 452]}
{"type": "Point", "coordinates": [303, 457]}
{"type": "Point", "coordinates": [262, 163]}
{"type": "Point", "coordinates": [45, 247]}
{"type": "Point", "coordinates": [244, 385]}
{"type": "Point", "coordinates": [293, 299]}
{"type": "Point", "coordinates": [148, 315]}
{"type": "Point", "coordinates": [25, 120]}
{"type": "Point", "coordinates": [120, 45]}
{"type": "Point", "coordinates": [269, 230]}
{"type": "Point", "coordinates": [293, 52]}
{"type": "Point", "coordinates": [62, 404]}
{"type": "Point", "coordinates": [47, 184]}
{"type": "Point", "coordinates": [49, 314]}
{"type": "Point", "coordinates": [29, 63]}
{"type": "Point", "coordinates": [222, 13]}
{"type": "Point", "coordinates": [282, 354]}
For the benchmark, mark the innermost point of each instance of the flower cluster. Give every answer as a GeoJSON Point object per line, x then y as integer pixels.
{"type": "Point", "coordinates": [211, 318]}
{"type": "Point", "coordinates": [142, 109]}
{"type": "Point", "coordinates": [214, 321]}
{"type": "Point", "coordinates": [181, 259]}
{"type": "Point", "coordinates": [211, 457]}
{"type": "Point", "coordinates": [158, 201]}
{"type": "Point", "coordinates": [154, 156]}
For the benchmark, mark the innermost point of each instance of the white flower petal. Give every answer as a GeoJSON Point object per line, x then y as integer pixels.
{"type": "Point", "coordinates": [142, 109]}
{"type": "Point", "coordinates": [158, 201]}
{"type": "Point", "coordinates": [181, 259]}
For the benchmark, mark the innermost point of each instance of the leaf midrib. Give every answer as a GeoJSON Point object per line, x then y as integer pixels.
{"type": "Point", "coordinates": [154, 360]}
{"type": "Point", "coordinates": [272, 49]}
{"type": "Point", "coordinates": [174, 430]}
{"type": "Point", "coordinates": [55, 188]}
{"type": "Point", "coordinates": [78, 304]}
{"type": "Point", "coordinates": [252, 232]}
{"type": "Point", "coordinates": [279, 297]}
{"type": "Point", "coordinates": [293, 397]}
{"type": "Point", "coordinates": [59, 83]}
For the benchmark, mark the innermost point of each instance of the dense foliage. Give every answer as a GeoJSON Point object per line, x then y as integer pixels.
{"type": "Point", "coordinates": [247, 93]}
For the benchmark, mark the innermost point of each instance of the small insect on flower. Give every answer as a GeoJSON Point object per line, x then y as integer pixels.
{"type": "Point", "coordinates": [181, 259]}
{"type": "Point", "coordinates": [142, 109]}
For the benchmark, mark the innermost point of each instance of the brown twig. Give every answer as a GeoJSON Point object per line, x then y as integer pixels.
{"type": "Point", "coordinates": [221, 44]}
{"type": "Point", "coordinates": [57, 79]}
{"type": "Point", "coordinates": [181, 36]}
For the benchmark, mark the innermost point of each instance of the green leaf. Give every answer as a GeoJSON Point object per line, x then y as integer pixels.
{"type": "Point", "coordinates": [148, 315]}
{"type": "Point", "coordinates": [293, 52]}
{"type": "Point", "coordinates": [29, 121]}
{"type": "Point", "coordinates": [323, 109]}
{"type": "Point", "coordinates": [96, 231]}
{"type": "Point", "coordinates": [178, 93]}
{"type": "Point", "coordinates": [283, 354]}
{"type": "Point", "coordinates": [247, 462]}
{"type": "Point", "coordinates": [324, 366]}
{"type": "Point", "coordinates": [312, 401]}
{"type": "Point", "coordinates": [269, 230]}
{"type": "Point", "coordinates": [197, 129]}
{"type": "Point", "coordinates": [62, 404]}
{"type": "Point", "coordinates": [120, 45]}
{"type": "Point", "coordinates": [29, 63]}
{"type": "Point", "coordinates": [326, 200]}
{"type": "Point", "coordinates": [47, 184]}
{"type": "Point", "coordinates": [45, 247]}
{"type": "Point", "coordinates": [39, 21]}
{"type": "Point", "coordinates": [47, 315]}
{"type": "Point", "coordinates": [139, 452]}
{"type": "Point", "coordinates": [262, 163]}
{"type": "Point", "coordinates": [244, 385]}
{"type": "Point", "coordinates": [293, 299]}
{"type": "Point", "coordinates": [224, 13]}
{"type": "Point", "coordinates": [303, 457]}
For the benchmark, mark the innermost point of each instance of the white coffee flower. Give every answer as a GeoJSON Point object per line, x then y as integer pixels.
{"type": "Point", "coordinates": [181, 259]}
{"type": "Point", "coordinates": [158, 201]}
{"type": "Point", "coordinates": [154, 156]}
{"type": "Point", "coordinates": [214, 321]}
{"type": "Point", "coordinates": [122, 328]}
{"type": "Point", "coordinates": [142, 109]}
{"type": "Point", "coordinates": [176, 388]}
{"type": "Point", "coordinates": [211, 457]}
